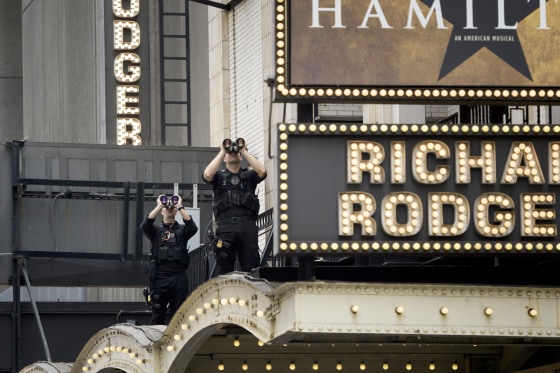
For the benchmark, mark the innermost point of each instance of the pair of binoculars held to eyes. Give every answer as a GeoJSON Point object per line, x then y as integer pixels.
{"type": "Point", "coordinates": [169, 202]}
{"type": "Point", "coordinates": [233, 147]}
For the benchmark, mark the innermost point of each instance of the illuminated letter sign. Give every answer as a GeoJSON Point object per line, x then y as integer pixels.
{"type": "Point", "coordinates": [127, 70]}
{"type": "Point", "coordinates": [417, 50]}
{"type": "Point", "coordinates": [429, 189]}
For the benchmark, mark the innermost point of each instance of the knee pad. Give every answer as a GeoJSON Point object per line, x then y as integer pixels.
{"type": "Point", "coordinates": [156, 302]}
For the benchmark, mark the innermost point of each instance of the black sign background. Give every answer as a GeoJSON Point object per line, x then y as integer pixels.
{"type": "Point", "coordinates": [317, 173]}
{"type": "Point", "coordinates": [388, 54]}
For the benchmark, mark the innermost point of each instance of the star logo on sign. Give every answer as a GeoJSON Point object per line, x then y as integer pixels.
{"type": "Point", "coordinates": [490, 24]}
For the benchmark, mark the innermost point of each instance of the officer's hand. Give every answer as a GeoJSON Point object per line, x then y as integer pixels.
{"type": "Point", "coordinates": [180, 203]}
{"type": "Point", "coordinates": [222, 149]}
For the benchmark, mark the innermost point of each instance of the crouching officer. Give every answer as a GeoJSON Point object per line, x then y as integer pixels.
{"type": "Point", "coordinates": [236, 206]}
{"type": "Point", "coordinates": [169, 256]}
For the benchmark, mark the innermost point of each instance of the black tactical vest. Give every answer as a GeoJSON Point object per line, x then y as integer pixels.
{"type": "Point", "coordinates": [235, 190]}
{"type": "Point", "coordinates": [169, 244]}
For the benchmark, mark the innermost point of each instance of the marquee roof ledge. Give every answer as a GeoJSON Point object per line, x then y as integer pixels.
{"type": "Point", "coordinates": [326, 312]}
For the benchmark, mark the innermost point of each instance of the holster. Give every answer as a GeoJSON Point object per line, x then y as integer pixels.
{"type": "Point", "coordinates": [218, 246]}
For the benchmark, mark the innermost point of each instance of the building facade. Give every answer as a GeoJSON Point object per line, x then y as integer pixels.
{"type": "Point", "coordinates": [143, 92]}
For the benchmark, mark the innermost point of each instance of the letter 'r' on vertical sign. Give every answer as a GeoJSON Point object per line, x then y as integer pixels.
{"type": "Point", "coordinates": [131, 12]}
{"type": "Point", "coordinates": [128, 131]}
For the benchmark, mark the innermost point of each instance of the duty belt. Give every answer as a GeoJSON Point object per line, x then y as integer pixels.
{"type": "Point", "coordinates": [234, 220]}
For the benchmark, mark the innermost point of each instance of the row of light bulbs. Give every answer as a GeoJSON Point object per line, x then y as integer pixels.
{"type": "Point", "coordinates": [431, 129]}
{"type": "Point", "coordinates": [107, 350]}
{"type": "Point", "coordinates": [339, 366]}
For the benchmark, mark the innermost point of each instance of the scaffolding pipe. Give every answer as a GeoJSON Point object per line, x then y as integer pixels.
{"type": "Point", "coordinates": [36, 312]}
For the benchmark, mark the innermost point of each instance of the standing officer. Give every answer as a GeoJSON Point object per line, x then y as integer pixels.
{"type": "Point", "coordinates": [169, 256]}
{"type": "Point", "coordinates": [236, 206]}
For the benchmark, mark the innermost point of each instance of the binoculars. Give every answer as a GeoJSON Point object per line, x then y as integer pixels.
{"type": "Point", "coordinates": [169, 202]}
{"type": "Point", "coordinates": [233, 147]}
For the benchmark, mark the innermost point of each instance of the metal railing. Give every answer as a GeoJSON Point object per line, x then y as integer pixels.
{"type": "Point", "coordinates": [202, 259]}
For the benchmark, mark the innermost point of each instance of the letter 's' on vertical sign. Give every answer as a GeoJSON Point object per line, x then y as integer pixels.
{"type": "Point", "coordinates": [417, 50]}
{"type": "Point", "coordinates": [127, 70]}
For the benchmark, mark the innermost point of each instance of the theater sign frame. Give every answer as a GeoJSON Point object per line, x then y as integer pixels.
{"type": "Point", "coordinates": [416, 51]}
{"type": "Point", "coordinates": [417, 189]}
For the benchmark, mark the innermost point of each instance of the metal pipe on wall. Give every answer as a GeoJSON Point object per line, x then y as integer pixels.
{"type": "Point", "coordinates": [35, 311]}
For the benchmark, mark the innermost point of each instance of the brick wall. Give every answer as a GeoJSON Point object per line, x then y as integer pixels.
{"type": "Point", "coordinates": [340, 110]}
{"type": "Point", "coordinates": [247, 99]}
{"type": "Point", "coordinates": [440, 111]}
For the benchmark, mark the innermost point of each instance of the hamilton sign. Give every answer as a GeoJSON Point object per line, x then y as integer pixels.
{"type": "Point", "coordinates": [421, 50]}
{"type": "Point", "coordinates": [417, 188]}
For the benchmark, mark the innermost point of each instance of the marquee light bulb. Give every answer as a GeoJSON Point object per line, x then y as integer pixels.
{"type": "Point", "coordinates": [533, 312]}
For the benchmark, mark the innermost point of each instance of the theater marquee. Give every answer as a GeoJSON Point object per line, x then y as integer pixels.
{"type": "Point", "coordinates": [428, 189]}
{"type": "Point", "coordinates": [418, 50]}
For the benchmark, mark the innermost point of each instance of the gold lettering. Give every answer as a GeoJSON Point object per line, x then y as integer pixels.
{"type": "Point", "coordinates": [414, 214]}
{"type": "Point", "coordinates": [374, 154]}
{"type": "Point", "coordinates": [522, 161]}
{"type": "Point", "coordinates": [554, 163]}
{"type": "Point", "coordinates": [349, 215]}
{"type": "Point", "coordinates": [398, 162]}
{"type": "Point", "coordinates": [420, 162]}
{"type": "Point", "coordinates": [531, 214]}
{"type": "Point", "coordinates": [501, 223]}
{"type": "Point", "coordinates": [460, 204]}
{"type": "Point", "coordinates": [465, 162]}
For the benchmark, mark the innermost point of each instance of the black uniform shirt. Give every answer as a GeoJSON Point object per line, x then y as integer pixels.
{"type": "Point", "coordinates": [169, 267]}
{"type": "Point", "coordinates": [220, 186]}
